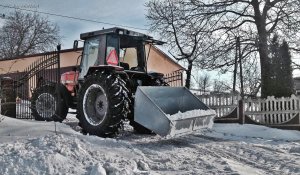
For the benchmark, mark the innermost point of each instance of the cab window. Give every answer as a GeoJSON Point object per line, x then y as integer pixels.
{"type": "Point", "coordinates": [90, 55]}
{"type": "Point", "coordinates": [112, 52]}
{"type": "Point", "coordinates": [129, 56]}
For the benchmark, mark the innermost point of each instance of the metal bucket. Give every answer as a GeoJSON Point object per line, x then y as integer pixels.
{"type": "Point", "coordinates": [171, 111]}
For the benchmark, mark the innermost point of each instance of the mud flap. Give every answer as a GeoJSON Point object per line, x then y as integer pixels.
{"type": "Point", "coordinates": [171, 111]}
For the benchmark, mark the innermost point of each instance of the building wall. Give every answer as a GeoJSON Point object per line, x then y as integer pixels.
{"type": "Point", "coordinates": [19, 65]}
{"type": "Point", "coordinates": [158, 62]}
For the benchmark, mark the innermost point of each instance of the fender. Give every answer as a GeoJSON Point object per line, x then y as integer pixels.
{"type": "Point", "coordinates": [155, 75]}
{"type": "Point", "coordinates": [93, 69]}
{"type": "Point", "coordinates": [61, 90]}
{"type": "Point", "coordinates": [65, 94]}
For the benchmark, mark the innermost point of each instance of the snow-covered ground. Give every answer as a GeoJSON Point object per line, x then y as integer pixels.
{"type": "Point", "coordinates": [31, 147]}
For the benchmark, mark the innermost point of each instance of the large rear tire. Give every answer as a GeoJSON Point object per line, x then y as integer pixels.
{"type": "Point", "coordinates": [102, 104]}
{"type": "Point", "coordinates": [47, 105]}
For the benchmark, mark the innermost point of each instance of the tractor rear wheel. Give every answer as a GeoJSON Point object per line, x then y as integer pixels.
{"type": "Point", "coordinates": [102, 104]}
{"type": "Point", "coordinates": [47, 105]}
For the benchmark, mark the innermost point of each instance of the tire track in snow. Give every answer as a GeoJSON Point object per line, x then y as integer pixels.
{"type": "Point", "coordinates": [200, 154]}
{"type": "Point", "coordinates": [266, 159]}
{"type": "Point", "coordinates": [180, 156]}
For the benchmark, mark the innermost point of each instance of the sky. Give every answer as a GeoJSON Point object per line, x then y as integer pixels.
{"type": "Point", "coordinates": [120, 12]}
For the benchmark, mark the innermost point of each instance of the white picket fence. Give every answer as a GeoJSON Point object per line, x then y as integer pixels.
{"type": "Point", "coordinates": [223, 104]}
{"type": "Point", "coordinates": [277, 112]}
{"type": "Point", "coordinates": [272, 110]}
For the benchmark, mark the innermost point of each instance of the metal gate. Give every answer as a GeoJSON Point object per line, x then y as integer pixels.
{"type": "Point", "coordinates": [174, 79]}
{"type": "Point", "coordinates": [43, 72]}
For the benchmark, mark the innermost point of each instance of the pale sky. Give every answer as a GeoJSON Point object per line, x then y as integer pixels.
{"type": "Point", "coordinates": [121, 12]}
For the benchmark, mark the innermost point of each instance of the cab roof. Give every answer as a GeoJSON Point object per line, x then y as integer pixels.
{"type": "Point", "coordinates": [120, 31]}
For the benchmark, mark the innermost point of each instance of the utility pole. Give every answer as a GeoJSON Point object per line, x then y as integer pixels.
{"type": "Point", "coordinates": [241, 67]}
{"type": "Point", "coordinates": [238, 60]}
{"type": "Point", "coordinates": [235, 67]}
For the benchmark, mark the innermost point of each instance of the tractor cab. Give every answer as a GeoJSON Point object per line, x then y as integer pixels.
{"type": "Point", "coordinates": [115, 47]}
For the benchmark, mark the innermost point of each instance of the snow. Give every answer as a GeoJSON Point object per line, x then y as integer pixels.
{"type": "Point", "coordinates": [31, 147]}
{"type": "Point", "coordinates": [240, 132]}
{"type": "Point", "coordinates": [191, 114]}
{"type": "Point", "coordinates": [198, 120]}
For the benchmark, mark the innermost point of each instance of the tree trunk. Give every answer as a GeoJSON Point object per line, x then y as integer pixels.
{"type": "Point", "coordinates": [263, 50]}
{"type": "Point", "coordinates": [188, 75]}
{"type": "Point", "coordinates": [266, 88]}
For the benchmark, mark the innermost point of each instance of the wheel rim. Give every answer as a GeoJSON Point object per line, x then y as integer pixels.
{"type": "Point", "coordinates": [46, 105]}
{"type": "Point", "coordinates": [95, 105]}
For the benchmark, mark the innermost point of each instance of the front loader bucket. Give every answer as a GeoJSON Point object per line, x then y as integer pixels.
{"type": "Point", "coordinates": [171, 111]}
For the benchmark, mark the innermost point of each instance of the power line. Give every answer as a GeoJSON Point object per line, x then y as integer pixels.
{"type": "Point", "coordinates": [70, 17]}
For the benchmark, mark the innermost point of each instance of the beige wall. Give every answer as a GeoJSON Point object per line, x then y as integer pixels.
{"type": "Point", "coordinates": [70, 59]}
{"type": "Point", "coordinates": [157, 62]}
{"type": "Point", "coordinates": [18, 65]}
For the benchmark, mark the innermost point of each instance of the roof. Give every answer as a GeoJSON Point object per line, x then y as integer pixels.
{"type": "Point", "coordinates": [121, 32]}
{"type": "Point", "coordinates": [115, 30]}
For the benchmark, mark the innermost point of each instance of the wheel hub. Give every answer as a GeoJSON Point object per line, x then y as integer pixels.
{"type": "Point", "coordinates": [46, 105]}
{"type": "Point", "coordinates": [100, 104]}
{"type": "Point", "coordinates": [95, 105]}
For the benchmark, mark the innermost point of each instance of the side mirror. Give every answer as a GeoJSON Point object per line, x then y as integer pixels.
{"type": "Point", "coordinates": [75, 45]}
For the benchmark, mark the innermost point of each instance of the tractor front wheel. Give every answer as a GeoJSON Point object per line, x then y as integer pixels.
{"type": "Point", "coordinates": [102, 104]}
{"type": "Point", "coordinates": [48, 105]}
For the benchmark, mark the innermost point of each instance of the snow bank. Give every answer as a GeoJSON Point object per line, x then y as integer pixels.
{"type": "Point", "coordinates": [15, 128]}
{"type": "Point", "coordinates": [58, 154]}
{"type": "Point", "coordinates": [31, 147]}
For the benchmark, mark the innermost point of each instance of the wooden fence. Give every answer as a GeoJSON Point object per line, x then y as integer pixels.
{"type": "Point", "coordinates": [223, 104]}
{"type": "Point", "coordinates": [274, 112]}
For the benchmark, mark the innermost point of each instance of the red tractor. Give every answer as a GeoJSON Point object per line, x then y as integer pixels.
{"type": "Point", "coordinates": [103, 87]}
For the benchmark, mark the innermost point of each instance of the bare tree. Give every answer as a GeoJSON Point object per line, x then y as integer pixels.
{"type": "Point", "coordinates": [254, 21]}
{"type": "Point", "coordinates": [221, 86]}
{"type": "Point", "coordinates": [251, 78]}
{"type": "Point", "coordinates": [26, 33]}
{"type": "Point", "coordinates": [186, 36]}
{"type": "Point", "coordinates": [204, 82]}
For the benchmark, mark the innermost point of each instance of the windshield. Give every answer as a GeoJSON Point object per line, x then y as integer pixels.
{"type": "Point", "coordinates": [90, 55]}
